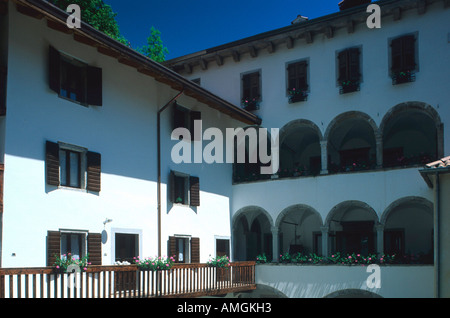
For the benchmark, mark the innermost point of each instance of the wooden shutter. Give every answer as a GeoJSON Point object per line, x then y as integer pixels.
{"type": "Point", "coordinates": [54, 71]}
{"type": "Point", "coordinates": [94, 242]}
{"type": "Point", "coordinates": [195, 116]}
{"type": "Point", "coordinates": [179, 117]}
{"type": "Point", "coordinates": [353, 65]}
{"type": "Point", "coordinates": [3, 81]}
{"type": "Point", "coordinates": [194, 191]}
{"type": "Point", "coordinates": [409, 52]}
{"type": "Point", "coordinates": [52, 163]}
{"type": "Point", "coordinates": [94, 86]}
{"type": "Point", "coordinates": [297, 75]}
{"type": "Point", "coordinates": [342, 66]}
{"type": "Point", "coordinates": [251, 85]}
{"type": "Point", "coordinates": [172, 247]}
{"type": "Point", "coordinates": [396, 55]}
{"type": "Point", "coordinates": [53, 246]}
{"type": "Point", "coordinates": [195, 250]}
{"type": "Point", "coordinates": [94, 168]}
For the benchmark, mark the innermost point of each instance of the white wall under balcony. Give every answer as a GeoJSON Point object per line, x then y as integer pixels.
{"type": "Point", "coordinates": [311, 281]}
{"type": "Point", "coordinates": [378, 189]}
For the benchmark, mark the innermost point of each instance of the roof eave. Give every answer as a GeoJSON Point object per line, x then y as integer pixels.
{"type": "Point", "coordinates": [126, 55]}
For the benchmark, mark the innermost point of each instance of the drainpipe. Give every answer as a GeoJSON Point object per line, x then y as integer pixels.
{"type": "Point", "coordinates": [159, 165]}
{"type": "Point", "coordinates": [437, 240]}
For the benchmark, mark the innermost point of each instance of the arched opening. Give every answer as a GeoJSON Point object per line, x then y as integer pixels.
{"type": "Point", "coordinates": [410, 137]}
{"type": "Point", "coordinates": [408, 230]}
{"type": "Point", "coordinates": [352, 228]}
{"type": "Point", "coordinates": [252, 235]}
{"type": "Point", "coordinates": [299, 230]}
{"type": "Point", "coordinates": [300, 152]}
{"type": "Point", "coordinates": [353, 293]}
{"type": "Point", "coordinates": [248, 167]}
{"type": "Point", "coordinates": [351, 143]}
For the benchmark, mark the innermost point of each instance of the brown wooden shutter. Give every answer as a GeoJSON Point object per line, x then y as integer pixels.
{"type": "Point", "coordinates": [94, 171]}
{"type": "Point", "coordinates": [396, 55]}
{"type": "Point", "coordinates": [292, 76]}
{"type": "Point", "coordinates": [251, 87]}
{"type": "Point", "coordinates": [3, 81]}
{"type": "Point", "coordinates": [94, 241]}
{"type": "Point", "coordinates": [179, 117]}
{"type": "Point", "coordinates": [53, 246]}
{"type": "Point", "coordinates": [409, 52]}
{"type": "Point", "coordinates": [54, 71]}
{"type": "Point", "coordinates": [343, 66]}
{"type": "Point", "coordinates": [353, 65]}
{"type": "Point", "coordinates": [297, 75]}
{"type": "Point", "coordinates": [172, 247]}
{"type": "Point", "coordinates": [94, 86]}
{"type": "Point", "coordinates": [195, 250]}
{"type": "Point", "coordinates": [52, 163]}
{"type": "Point", "coordinates": [194, 191]}
{"type": "Point", "coordinates": [195, 116]}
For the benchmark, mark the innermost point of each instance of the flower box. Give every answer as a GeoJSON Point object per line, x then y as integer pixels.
{"type": "Point", "coordinates": [297, 95]}
{"type": "Point", "coordinates": [348, 87]}
{"type": "Point", "coordinates": [403, 77]}
{"type": "Point", "coordinates": [250, 104]}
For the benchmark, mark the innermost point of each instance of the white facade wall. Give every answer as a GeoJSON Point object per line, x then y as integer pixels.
{"type": "Point", "coordinates": [123, 130]}
{"type": "Point", "coordinates": [377, 95]}
{"type": "Point", "coordinates": [340, 281]}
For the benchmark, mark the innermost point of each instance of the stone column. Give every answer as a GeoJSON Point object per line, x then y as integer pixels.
{"type": "Point", "coordinates": [380, 238]}
{"type": "Point", "coordinates": [324, 230]}
{"type": "Point", "coordinates": [275, 252]}
{"type": "Point", "coordinates": [324, 156]}
{"type": "Point", "coordinates": [379, 150]}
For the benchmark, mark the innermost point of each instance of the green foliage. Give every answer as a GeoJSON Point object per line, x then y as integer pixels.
{"type": "Point", "coordinates": [63, 262]}
{"type": "Point", "coordinates": [336, 258]}
{"type": "Point", "coordinates": [154, 49]}
{"type": "Point", "coordinates": [154, 264]}
{"type": "Point", "coordinates": [101, 16]}
{"type": "Point", "coordinates": [220, 261]}
{"type": "Point", "coordinates": [97, 14]}
{"type": "Point", "coordinates": [261, 259]}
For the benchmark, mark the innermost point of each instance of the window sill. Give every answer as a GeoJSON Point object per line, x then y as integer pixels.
{"type": "Point", "coordinates": [73, 101]}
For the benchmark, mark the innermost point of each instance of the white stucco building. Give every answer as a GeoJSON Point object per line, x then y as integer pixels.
{"type": "Point", "coordinates": [371, 108]}
{"type": "Point", "coordinates": [86, 135]}
{"type": "Point", "coordinates": [86, 148]}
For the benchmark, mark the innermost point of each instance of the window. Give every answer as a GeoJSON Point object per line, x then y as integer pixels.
{"type": "Point", "coordinates": [251, 90]}
{"type": "Point", "coordinates": [297, 81]}
{"type": "Point", "coordinates": [349, 74]}
{"type": "Point", "coordinates": [74, 80]}
{"type": "Point", "coordinates": [185, 118]}
{"type": "Point", "coordinates": [126, 247]}
{"type": "Point", "coordinates": [73, 243]}
{"type": "Point", "coordinates": [184, 248]}
{"type": "Point", "coordinates": [184, 189]}
{"type": "Point", "coordinates": [78, 243]}
{"type": "Point", "coordinates": [72, 166]}
{"type": "Point", "coordinates": [403, 59]}
{"type": "Point", "coordinates": [222, 247]}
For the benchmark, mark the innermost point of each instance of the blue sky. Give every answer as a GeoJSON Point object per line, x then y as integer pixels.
{"type": "Point", "coordinates": [190, 26]}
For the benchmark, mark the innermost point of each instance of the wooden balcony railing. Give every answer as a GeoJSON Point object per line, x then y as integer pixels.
{"type": "Point", "coordinates": [182, 280]}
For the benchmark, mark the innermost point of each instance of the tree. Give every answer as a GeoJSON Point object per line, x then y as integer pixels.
{"type": "Point", "coordinates": [101, 16]}
{"type": "Point", "coordinates": [154, 48]}
{"type": "Point", "coordinates": [97, 14]}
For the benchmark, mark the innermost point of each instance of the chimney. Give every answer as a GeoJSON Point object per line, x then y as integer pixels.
{"type": "Point", "coordinates": [299, 19]}
{"type": "Point", "coordinates": [347, 4]}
